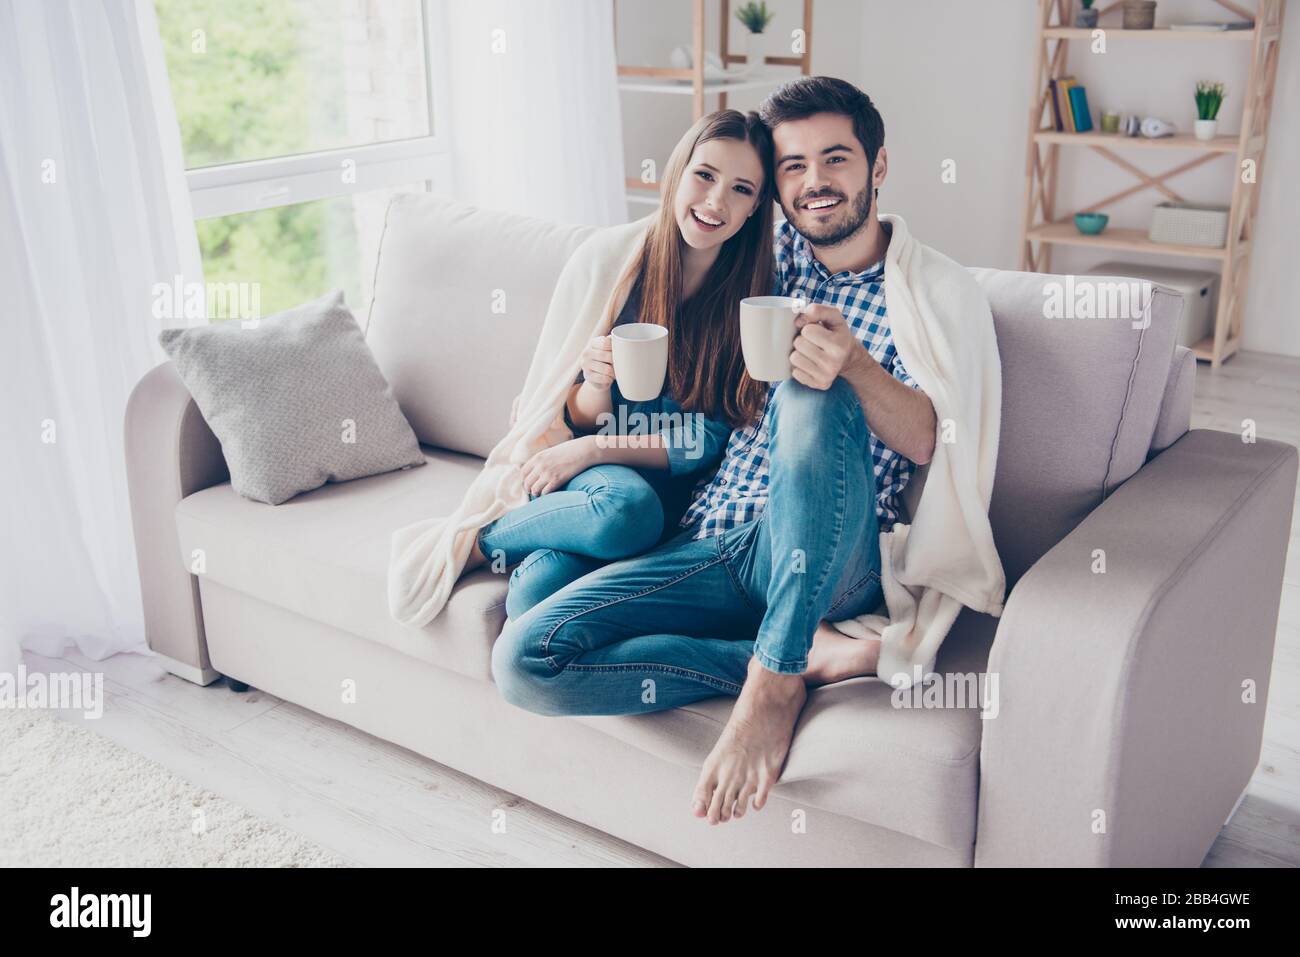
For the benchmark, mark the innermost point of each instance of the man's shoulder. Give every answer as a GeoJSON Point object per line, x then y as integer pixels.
{"type": "Point", "coordinates": [783, 238]}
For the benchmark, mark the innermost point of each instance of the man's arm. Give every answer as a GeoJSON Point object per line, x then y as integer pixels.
{"type": "Point", "coordinates": [903, 417]}
{"type": "Point", "coordinates": [826, 348]}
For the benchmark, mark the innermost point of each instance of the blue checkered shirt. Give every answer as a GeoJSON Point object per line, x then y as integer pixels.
{"type": "Point", "coordinates": [737, 492]}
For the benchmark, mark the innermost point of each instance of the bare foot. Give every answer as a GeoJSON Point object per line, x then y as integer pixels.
{"type": "Point", "coordinates": [837, 657]}
{"type": "Point", "coordinates": [476, 558]}
{"type": "Point", "coordinates": [747, 759]}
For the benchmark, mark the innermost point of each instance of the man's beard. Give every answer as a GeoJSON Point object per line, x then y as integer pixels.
{"type": "Point", "coordinates": [833, 233]}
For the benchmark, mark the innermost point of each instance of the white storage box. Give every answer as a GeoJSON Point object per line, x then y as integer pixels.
{"type": "Point", "coordinates": [1187, 224]}
{"type": "Point", "coordinates": [1200, 294]}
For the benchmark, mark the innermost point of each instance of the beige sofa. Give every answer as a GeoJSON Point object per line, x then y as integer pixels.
{"type": "Point", "coordinates": [1121, 736]}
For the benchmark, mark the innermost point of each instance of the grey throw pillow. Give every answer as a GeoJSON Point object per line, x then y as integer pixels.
{"type": "Point", "coordinates": [296, 401]}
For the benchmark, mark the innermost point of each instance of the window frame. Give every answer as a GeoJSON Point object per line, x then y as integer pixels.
{"type": "Point", "coordinates": [252, 185]}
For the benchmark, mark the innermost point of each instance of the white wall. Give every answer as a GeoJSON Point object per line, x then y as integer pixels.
{"type": "Point", "coordinates": [649, 29]}
{"type": "Point", "coordinates": [952, 81]}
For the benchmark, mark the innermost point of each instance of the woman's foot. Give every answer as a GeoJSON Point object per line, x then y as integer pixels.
{"type": "Point", "coordinates": [476, 557]}
{"type": "Point", "coordinates": [837, 657]}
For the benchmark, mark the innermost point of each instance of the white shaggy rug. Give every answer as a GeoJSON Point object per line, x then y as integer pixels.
{"type": "Point", "coordinates": [71, 798]}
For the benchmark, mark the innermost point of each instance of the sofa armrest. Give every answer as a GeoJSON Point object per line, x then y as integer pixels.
{"type": "Point", "coordinates": [170, 453]}
{"type": "Point", "coordinates": [1123, 735]}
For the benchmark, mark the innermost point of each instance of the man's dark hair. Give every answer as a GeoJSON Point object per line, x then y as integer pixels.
{"type": "Point", "coordinates": [809, 95]}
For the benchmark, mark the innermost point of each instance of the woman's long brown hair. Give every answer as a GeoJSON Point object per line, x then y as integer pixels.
{"type": "Point", "coordinates": [706, 371]}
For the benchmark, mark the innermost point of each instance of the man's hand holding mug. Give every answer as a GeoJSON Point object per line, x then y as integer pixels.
{"type": "Point", "coordinates": [825, 347]}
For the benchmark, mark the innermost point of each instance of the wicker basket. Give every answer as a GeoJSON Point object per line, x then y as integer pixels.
{"type": "Point", "coordinates": [1186, 224]}
{"type": "Point", "coordinates": [1139, 14]}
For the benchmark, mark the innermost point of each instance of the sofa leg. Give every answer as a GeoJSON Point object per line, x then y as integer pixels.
{"type": "Point", "coordinates": [235, 685]}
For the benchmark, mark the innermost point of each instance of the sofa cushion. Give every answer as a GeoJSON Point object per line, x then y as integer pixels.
{"type": "Point", "coordinates": [324, 555]}
{"type": "Point", "coordinates": [912, 770]}
{"type": "Point", "coordinates": [1080, 401]}
{"type": "Point", "coordinates": [460, 295]}
{"type": "Point", "coordinates": [296, 401]}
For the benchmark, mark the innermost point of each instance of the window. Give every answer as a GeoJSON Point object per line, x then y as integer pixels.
{"type": "Point", "coordinates": [299, 120]}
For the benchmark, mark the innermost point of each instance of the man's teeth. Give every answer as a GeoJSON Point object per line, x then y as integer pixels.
{"type": "Point", "coordinates": [706, 220]}
{"type": "Point", "coordinates": [822, 203]}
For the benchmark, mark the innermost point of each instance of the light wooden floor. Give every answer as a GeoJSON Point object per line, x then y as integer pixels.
{"type": "Point", "coordinates": [373, 803]}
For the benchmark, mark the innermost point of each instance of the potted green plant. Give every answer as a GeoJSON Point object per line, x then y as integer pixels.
{"type": "Point", "coordinates": [1085, 16]}
{"type": "Point", "coordinates": [1209, 97]}
{"type": "Point", "coordinates": [755, 17]}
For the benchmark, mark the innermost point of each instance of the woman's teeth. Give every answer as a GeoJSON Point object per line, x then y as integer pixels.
{"type": "Point", "coordinates": [706, 221]}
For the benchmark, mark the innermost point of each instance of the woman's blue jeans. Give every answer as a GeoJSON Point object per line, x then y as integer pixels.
{"type": "Point", "coordinates": [603, 514]}
{"type": "Point", "coordinates": [681, 622]}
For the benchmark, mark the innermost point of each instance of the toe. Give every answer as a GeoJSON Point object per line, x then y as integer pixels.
{"type": "Point", "coordinates": [742, 800]}
{"type": "Point", "coordinates": [703, 795]}
{"type": "Point", "coordinates": [715, 807]}
{"type": "Point", "coordinates": [729, 802]}
{"type": "Point", "coordinates": [764, 787]}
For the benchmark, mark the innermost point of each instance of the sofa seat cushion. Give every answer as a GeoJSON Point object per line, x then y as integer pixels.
{"type": "Point", "coordinates": [324, 555]}
{"type": "Point", "coordinates": [912, 770]}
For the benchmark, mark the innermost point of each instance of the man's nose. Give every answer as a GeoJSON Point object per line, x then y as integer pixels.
{"type": "Point", "coordinates": [816, 178]}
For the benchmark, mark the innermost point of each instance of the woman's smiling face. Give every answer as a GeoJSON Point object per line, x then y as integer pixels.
{"type": "Point", "coordinates": [719, 189]}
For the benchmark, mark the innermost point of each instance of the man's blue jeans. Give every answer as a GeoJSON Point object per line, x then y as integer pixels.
{"type": "Point", "coordinates": [681, 622]}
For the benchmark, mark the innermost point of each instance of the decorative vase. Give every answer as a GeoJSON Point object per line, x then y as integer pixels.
{"type": "Point", "coordinates": [1139, 14]}
{"type": "Point", "coordinates": [756, 53]}
{"type": "Point", "coordinates": [1086, 18]}
{"type": "Point", "coordinates": [1206, 129]}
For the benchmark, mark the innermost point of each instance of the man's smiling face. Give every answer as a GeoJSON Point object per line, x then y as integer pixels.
{"type": "Point", "coordinates": [825, 185]}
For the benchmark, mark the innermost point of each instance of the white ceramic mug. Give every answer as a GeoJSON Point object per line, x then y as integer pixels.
{"type": "Point", "coordinates": [640, 359]}
{"type": "Point", "coordinates": [767, 332]}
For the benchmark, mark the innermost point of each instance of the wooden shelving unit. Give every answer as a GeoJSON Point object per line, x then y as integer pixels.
{"type": "Point", "coordinates": [1042, 228]}
{"type": "Point", "coordinates": [667, 80]}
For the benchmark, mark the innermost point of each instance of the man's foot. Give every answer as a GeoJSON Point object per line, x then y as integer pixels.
{"type": "Point", "coordinates": [747, 759]}
{"type": "Point", "coordinates": [837, 657]}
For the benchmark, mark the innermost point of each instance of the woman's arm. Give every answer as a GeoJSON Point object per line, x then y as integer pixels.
{"type": "Point", "coordinates": [638, 451]}
{"type": "Point", "coordinates": [586, 404]}
{"type": "Point", "coordinates": [590, 399]}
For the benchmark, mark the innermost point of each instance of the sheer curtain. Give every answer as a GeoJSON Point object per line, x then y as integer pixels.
{"type": "Point", "coordinates": [535, 125]}
{"type": "Point", "coordinates": [93, 212]}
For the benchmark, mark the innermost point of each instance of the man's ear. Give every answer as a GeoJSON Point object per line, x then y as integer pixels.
{"type": "Point", "coordinates": [881, 169]}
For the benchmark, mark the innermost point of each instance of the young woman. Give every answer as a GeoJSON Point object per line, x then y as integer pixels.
{"type": "Point", "coordinates": [613, 492]}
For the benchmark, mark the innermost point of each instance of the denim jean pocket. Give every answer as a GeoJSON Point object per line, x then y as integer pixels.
{"type": "Point", "coordinates": [846, 606]}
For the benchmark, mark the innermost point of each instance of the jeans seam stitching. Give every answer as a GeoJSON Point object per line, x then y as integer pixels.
{"type": "Point", "coordinates": [709, 679]}
{"type": "Point", "coordinates": [735, 579]}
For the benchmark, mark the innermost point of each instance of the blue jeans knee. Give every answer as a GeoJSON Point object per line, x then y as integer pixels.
{"type": "Point", "coordinates": [541, 575]}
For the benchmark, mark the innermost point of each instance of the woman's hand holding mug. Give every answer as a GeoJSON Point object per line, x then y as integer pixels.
{"type": "Point", "coordinates": [598, 363]}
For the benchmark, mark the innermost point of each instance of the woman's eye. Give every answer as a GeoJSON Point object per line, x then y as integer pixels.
{"type": "Point", "coordinates": [703, 175]}
{"type": "Point", "coordinates": [744, 190]}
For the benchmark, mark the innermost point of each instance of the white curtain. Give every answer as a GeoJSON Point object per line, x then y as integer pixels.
{"type": "Point", "coordinates": [93, 212]}
{"type": "Point", "coordinates": [535, 124]}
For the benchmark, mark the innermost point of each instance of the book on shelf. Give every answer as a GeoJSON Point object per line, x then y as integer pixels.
{"type": "Point", "coordinates": [1079, 107]}
{"type": "Point", "coordinates": [1069, 99]}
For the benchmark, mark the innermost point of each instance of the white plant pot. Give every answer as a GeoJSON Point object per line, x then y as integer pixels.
{"type": "Point", "coordinates": [1205, 129]}
{"type": "Point", "coordinates": [756, 53]}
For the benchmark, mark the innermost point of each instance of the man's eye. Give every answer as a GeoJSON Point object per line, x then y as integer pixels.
{"type": "Point", "coordinates": [836, 159]}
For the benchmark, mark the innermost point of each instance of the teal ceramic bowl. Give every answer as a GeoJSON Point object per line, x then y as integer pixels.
{"type": "Point", "coordinates": [1090, 224]}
